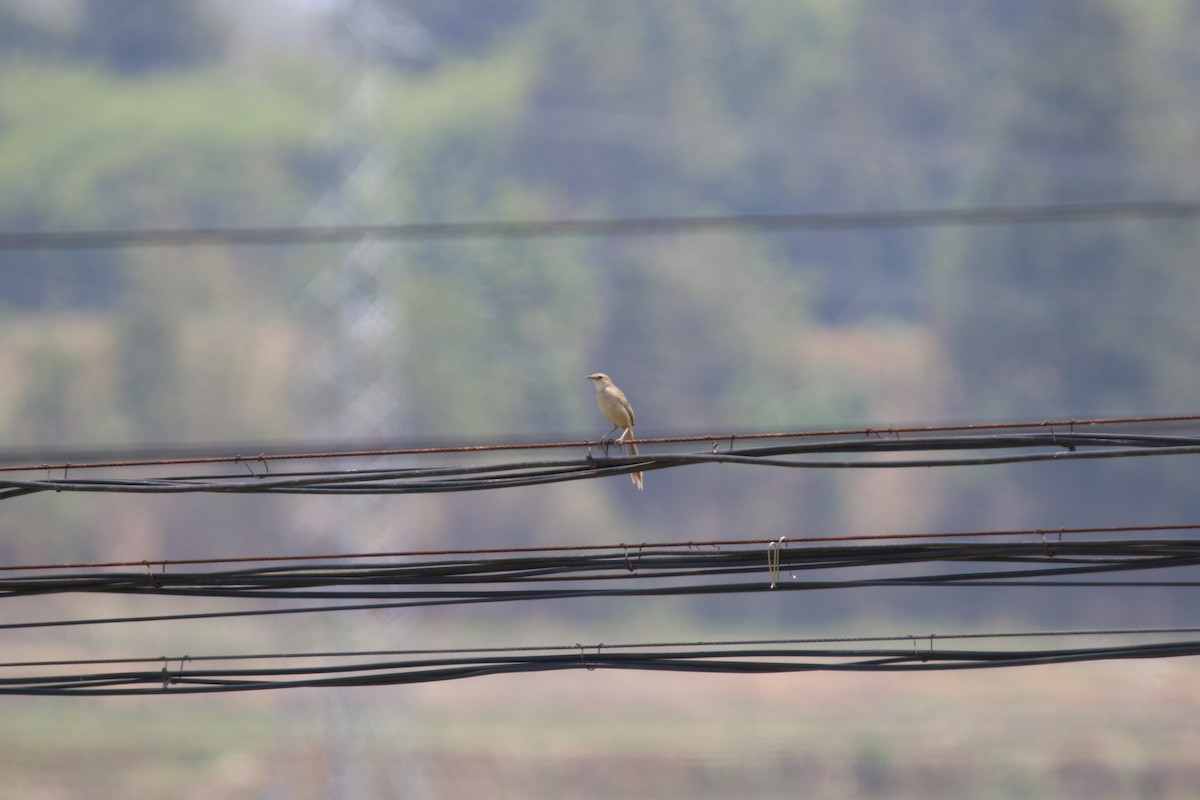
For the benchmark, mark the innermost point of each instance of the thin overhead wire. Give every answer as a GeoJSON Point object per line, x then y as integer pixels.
{"type": "Point", "coordinates": [633, 572]}
{"type": "Point", "coordinates": [869, 452]}
{"type": "Point", "coordinates": [923, 638]}
{"type": "Point", "coordinates": [197, 675]}
{"type": "Point", "coordinates": [1064, 558]}
{"type": "Point", "coordinates": [185, 454]}
{"type": "Point", "coordinates": [642, 226]}
{"type": "Point", "coordinates": [1043, 534]}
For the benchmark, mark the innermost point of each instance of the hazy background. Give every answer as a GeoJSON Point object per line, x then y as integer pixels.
{"type": "Point", "coordinates": [128, 114]}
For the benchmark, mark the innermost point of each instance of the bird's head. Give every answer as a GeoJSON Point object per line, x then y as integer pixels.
{"type": "Point", "coordinates": [600, 380]}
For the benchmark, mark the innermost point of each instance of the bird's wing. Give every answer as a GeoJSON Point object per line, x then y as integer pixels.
{"type": "Point", "coordinates": [628, 408]}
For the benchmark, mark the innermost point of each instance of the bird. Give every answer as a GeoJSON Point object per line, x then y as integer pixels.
{"type": "Point", "coordinates": [616, 409]}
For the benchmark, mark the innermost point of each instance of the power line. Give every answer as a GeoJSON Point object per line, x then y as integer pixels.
{"type": "Point", "coordinates": [924, 638]}
{"type": "Point", "coordinates": [132, 457]}
{"type": "Point", "coordinates": [786, 564]}
{"type": "Point", "coordinates": [500, 475]}
{"type": "Point", "coordinates": [636, 572]}
{"type": "Point", "coordinates": [546, 229]}
{"type": "Point", "coordinates": [188, 675]}
{"type": "Point", "coordinates": [1017, 561]}
{"type": "Point", "coordinates": [629, 549]}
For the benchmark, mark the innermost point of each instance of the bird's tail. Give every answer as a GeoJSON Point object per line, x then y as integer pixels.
{"type": "Point", "coordinates": [631, 448]}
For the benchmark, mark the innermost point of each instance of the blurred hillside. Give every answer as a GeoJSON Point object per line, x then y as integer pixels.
{"type": "Point", "coordinates": [203, 114]}
{"type": "Point", "coordinates": [134, 115]}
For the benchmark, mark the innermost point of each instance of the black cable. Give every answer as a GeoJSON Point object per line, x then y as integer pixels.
{"type": "Point", "coordinates": [640, 573]}
{"type": "Point", "coordinates": [42, 459]}
{"type": "Point", "coordinates": [544, 229]}
{"type": "Point", "coordinates": [924, 640]}
{"type": "Point", "coordinates": [188, 677]}
{"type": "Point", "coordinates": [497, 475]}
{"type": "Point", "coordinates": [1028, 559]}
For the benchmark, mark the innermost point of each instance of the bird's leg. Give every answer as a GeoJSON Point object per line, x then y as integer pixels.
{"type": "Point", "coordinates": [606, 441]}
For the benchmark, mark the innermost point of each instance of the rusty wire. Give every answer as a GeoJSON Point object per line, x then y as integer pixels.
{"type": "Point", "coordinates": [879, 433]}
{"type": "Point", "coordinates": [870, 448]}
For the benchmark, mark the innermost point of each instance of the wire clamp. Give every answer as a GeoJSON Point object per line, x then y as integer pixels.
{"type": "Point", "coordinates": [155, 582]}
{"type": "Point", "coordinates": [167, 678]}
{"type": "Point", "coordinates": [773, 549]}
{"type": "Point", "coordinates": [66, 468]}
{"type": "Point", "coordinates": [583, 660]}
{"type": "Point", "coordinates": [917, 652]}
{"type": "Point", "coordinates": [260, 458]}
{"type": "Point", "coordinates": [629, 564]}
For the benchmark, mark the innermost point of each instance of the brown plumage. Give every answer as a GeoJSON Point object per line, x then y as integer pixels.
{"type": "Point", "coordinates": [616, 409]}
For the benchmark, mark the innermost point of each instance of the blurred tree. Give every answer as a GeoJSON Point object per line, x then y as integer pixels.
{"type": "Point", "coordinates": [1077, 320]}
{"type": "Point", "coordinates": [147, 359]}
{"type": "Point", "coordinates": [1027, 310]}
{"type": "Point", "coordinates": [172, 151]}
{"type": "Point", "coordinates": [52, 411]}
{"type": "Point", "coordinates": [683, 107]}
{"type": "Point", "coordinates": [137, 36]}
{"type": "Point", "coordinates": [468, 29]}
{"type": "Point", "coordinates": [24, 31]}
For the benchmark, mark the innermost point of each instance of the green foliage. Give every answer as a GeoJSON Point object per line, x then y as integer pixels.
{"type": "Point", "coordinates": [657, 106]}
{"type": "Point", "coordinates": [148, 382]}
{"type": "Point", "coordinates": [460, 29]}
{"type": "Point", "coordinates": [1040, 313]}
{"type": "Point", "coordinates": [1072, 320]}
{"type": "Point", "coordinates": [52, 408]}
{"type": "Point", "coordinates": [450, 136]}
{"type": "Point", "coordinates": [133, 36]}
{"type": "Point", "coordinates": [80, 150]}
{"type": "Point", "coordinates": [505, 322]}
{"type": "Point", "coordinates": [84, 150]}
